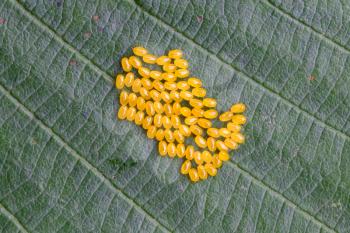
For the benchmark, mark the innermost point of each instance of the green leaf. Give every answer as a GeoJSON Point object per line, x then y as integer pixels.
{"type": "Point", "coordinates": [68, 165]}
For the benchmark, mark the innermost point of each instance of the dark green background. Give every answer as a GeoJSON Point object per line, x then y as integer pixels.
{"type": "Point", "coordinates": [67, 164]}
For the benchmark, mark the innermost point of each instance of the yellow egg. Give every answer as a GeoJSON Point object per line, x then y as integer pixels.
{"type": "Point", "coordinates": [211, 144]}
{"type": "Point", "coordinates": [202, 173]}
{"type": "Point", "coordinates": [212, 171]}
{"type": "Point", "coordinates": [150, 108]}
{"type": "Point", "coordinates": [189, 152]}
{"type": "Point", "coordinates": [136, 86]}
{"type": "Point", "coordinates": [239, 119]}
{"type": "Point", "coordinates": [238, 108]}
{"type": "Point", "coordinates": [155, 95]}
{"type": "Point", "coordinates": [149, 59]}
{"type": "Point", "coordinates": [196, 130]}
{"type": "Point", "coordinates": [196, 103]}
{"type": "Point", "coordinates": [124, 98]}
{"type": "Point", "coordinates": [197, 112]}
{"type": "Point", "coordinates": [226, 116]}
{"type": "Point", "coordinates": [155, 74]}
{"type": "Point", "coordinates": [193, 174]}
{"type": "Point", "coordinates": [181, 63]}
{"type": "Point", "coordinates": [163, 60]}
{"type": "Point", "coordinates": [171, 149]}
{"type": "Point", "coordinates": [175, 121]}
{"type": "Point", "coordinates": [182, 73]}
{"type": "Point", "coordinates": [157, 120]}
{"type": "Point", "coordinates": [168, 109]}
{"type": "Point", "coordinates": [139, 117]}
{"type": "Point", "coordinates": [231, 144]}
{"type": "Point", "coordinates": [184, 130]}
{"type": "Point", "coordinates": [139, 51]}
{"type": "Point", "coordinates": [224, 132]}
{"type": "Point", "coordinates": [129, 79]}
{"type": "Point", "coordinates": [170, 86]}
{"type": "Point", "coordinates": [146, 83]}
{"type": "Point", "coordinates": [175, 54]}
{"type": "Point", "coordinates": [210, 114]}
{"type": "Point", "coordinates": [119, 81]}
{"type": "Point", "coordinates": [199, 92]}
{"type": "Point", "coordinates": [185, 111]}
{"type": "Point", "coordinates": [168, 67]}
{"type": "Point", "coordinates": [130, 114]}
{"type": "Point", "coordinates": [158, 107]}
{"type": "Point", "coordinates": [194, 82]}
{"type": "Point", "coordinates": [126, 64]}
{"type": "Point", "coordinates": [183, 85]}
{"type": "Point", "coordinates": [178, 136]}
{"type": "Point", "coordinates": [190, 120]}
{"type": "Point", "coordinates": [169, 136]}
{"type": "Point", "coordinates": [206, 156]}
{"type": "Point", "coordinates": [233, 127]}
{"type": "Point", "coordinates": [200, 141]}
{"type": "Point", "coordinates": [122, 112]}
{"type": "Point", "coordinates": [174, 95]}
{"type": "Point", "coordinates": [177, 108]}
{"type": "Point", "coordinates": [185, 167]}
{"type": "Point", "coordinates": [217, 163]}
{"type": "Point", "coordinates": [186, 95]}
{"type": "Point", "coordinates": [224, 156]}
{"type": "Point", "coordinates": [209, 102]}
{"type": "Point", "coordinates": [162, 148]}
{"type": "Point", "coordinates": [170, 77]}
{"type": "Point", "coordinates": [132, 99]}
{"type": "Point", "coordinates": [213, 132]}
{"type": "Point", "coordinates": [141, 103]}
{"type": "Point", "coordinates": [204, 123]}
{"type": "Point", "coordinates": [151, 132]}
{"type": "Point", "coordinates": [180, 150]}
{"type": "Point", "coordinates": [144, 72]}
{"type": "Point", "coordinates": [221, 145]}
{"type": "Point", "coordinates": [237, 137]}
{"type": "Point", "coordinates": [144, 93]}
{"type": "Point", "coordinates": [147, 122]}
{"type": "Point", "coordinates": [198, 157]}
{"type": "Point", "coordinates": [166, 122]}
{"type": "Point", "coordinates": [160, 134]}
{"type": "Point", "coordinates": [135, 62]}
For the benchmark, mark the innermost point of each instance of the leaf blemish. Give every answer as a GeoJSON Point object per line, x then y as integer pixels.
{"type": "Point", "coordinates": [200, 18]}
{"type": "Point", "coordinates": [95, 18]}
{"type": "Point", "coordinates": [311, 78]}
{"type": "Point", "coordinates": [2, 21]}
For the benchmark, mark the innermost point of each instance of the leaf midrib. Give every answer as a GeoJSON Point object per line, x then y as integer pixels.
{"type": "Point", "coordinates": [13, 219]}
{"type": "Point", "coordinates": [109, 78]}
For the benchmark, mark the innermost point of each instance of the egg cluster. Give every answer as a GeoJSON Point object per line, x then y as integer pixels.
{"type": "Point", "coordinates": [173, 108]}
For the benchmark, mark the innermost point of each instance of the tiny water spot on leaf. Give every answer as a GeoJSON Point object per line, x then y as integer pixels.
{"type": "Point", "coordinates": [95, 18]}
{"type": "Point", "coordinates": [199, 18]}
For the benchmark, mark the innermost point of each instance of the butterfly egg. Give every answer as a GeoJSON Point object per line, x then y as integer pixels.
{"type": "Point", "coordinates": [126, 64]}
{"type": "Point", "coordinates": [190, 120]}
{"type": "Point", "coordinates": [200, 141]}
{"type": "Point", "coordinates": [130, 114]}
{"type": "Point", "coordinates": [185, 111]}
{"type": "Point", "coordinates": [174, 95]}
{"type": "Point", "coordinates": [194, 82]}
{"type": "Point", "coordinates": [175, 54]}
{"type": "Point", "coordinates": [122, 112]}
{"type": "Point", "coordinates": [139, 117]}
{"type": "Point", "coordinates": [170, 86]}
{"type": "Point", "coordinates": [160, 135]}
{"type": "Point", "coordinates": [169, 136]}
{"type": "Point", "coordinates": [132, 99]}
{"type": "Point", "coordinates": [144, 93]}
{"type": "Point", "coordinates": [159, 86]}
{"type": "Point", "coordinates": [204, 123]}
{"type": "Point", "coordinates": [186, 95]}
{"type": "Point", "coordinates": [168, 67]}
{"type": "Point", "coordinates": [171, 149]}
{"type": "Point", "coordinates": [157, 120]}
{"type": "Point", "coordinates": [213, 132]}
{"type": "Point", "coordinates": [185, 130]}
{"type": "Point", "coordinates": [185, 167]}
{"type": "Point", "coordinates": [209, 102]}
{"type": "Point", "coordinates": [226, 116]}
{"type": "Point", "coordinates": [136, 85]}
{"type": "Point", "coordinates": [119, 81]}
{"type": "Point", "coordinates": [199, 92]}
{"type": "Point", "coordinates": [140, 103]}
{"type": "Point", "coordinates": [181, 63]}
{"type": "Point", "coordinates": [150, 108]}
{"type": "Point", "coordinates": [193, 174]}
{"type": "Point", "coordinates": [220, 145]}
{"type": "Point", "coordinates": [165, 96]}
{"type": "Point", "coordinates": [212, 171]}
{"type": "Point", "coordinates": [196, 103]}
{"type": "Point", "coordinates": [233, 127]}
{"type": "Point", "coordinates": [198, 157]}
{"type": "Point", "coordinates": [202, 173]}
{"type": "Point", "coordinates": [182, 73]}
{"type": "Point", "coordinates": [206, 156]}
{"type": "Point", "coordinates": [189, 152]}
{"type": "Point", "coordinates": [170, 77]}
{"type": "Point", "coordinates": [210, 114]}
{"type": "Point", "coordinates": [237, 137]}
{"type": "Point", "coordinates": [239, 119]}
{"type": "Point", "coordinates": [135, 62]}
{"type": "Point", "coordinates": [211, 144]}
{"type": "Point", "coordinates": [162, 148]}
{"type": "Point", "coordinates": [129, 79]}
{"type": "Point", "coordinates": [163, 60]}
{"type": "Point", "coordinates": [224, 156]}
{"type": "Point", "coordinates": [166, 122]}
{"type": "Point", "coordinates": [176, 108]}
{"type": "Point", "coordinates": [178, 136]}
{"type": "Point", "coordinates": [168, 110]}
{"type": "Point", "coordinates": [217, 163]}
{"type": "Point", "coordinates": [146, 83]}
{"type": "Point", "coordinates": [149, 59]}
{"type": "Point", "coordinates": [224, 132]}
{"type": "Point", "coordinates": [151, 132]}
{"type": "Point", "coordinates": [124, 98]}
{"type": "Point", "coordinates": [238, 108]}
{"type": "Point", "coordinates": [196, 130]}
{"type": "Point", "coordinates": [155, 95]}
{"type": "Point", "coordinates": [175, 121]}
{"type": "Point", "coordinates": [147, 122]}
{"type": "Point", "coordinates": [180, 150]}
{"type": "Point", "coordinates": [183, 85]}
{"type": "Point", "coordinates": [197, 112]}
{"type": "Point", "coordinates": [139, 51]}
{"type": "Point", "coordinates": [144, 72]}
{"type": "Point", "coordinates": [231, 143]}
{"type": "Point", "coordinates": [155, 74]}
{"type": "Point", "coordinates": [158, 107]}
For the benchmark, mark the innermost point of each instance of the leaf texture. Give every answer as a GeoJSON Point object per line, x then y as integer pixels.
{"type": "Point", "coordinates": [67, 165]}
